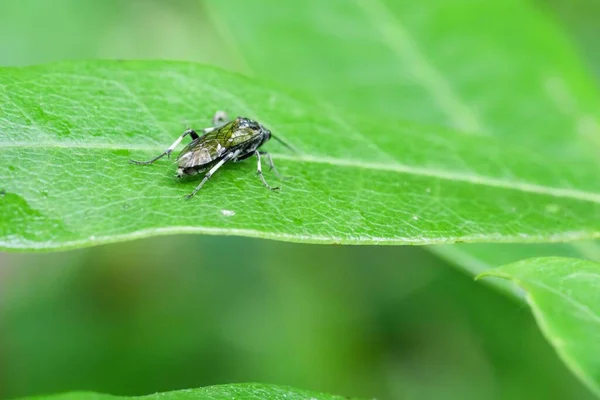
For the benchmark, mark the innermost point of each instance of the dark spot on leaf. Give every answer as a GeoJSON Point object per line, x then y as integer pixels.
{"type": "Point", "coordinates": [122, 152]}
{"type": "Point", "coordinates": [2, 192]}
{"type": "Point", "coordinates": [131, 133]}
{"type": "Point", "coordinates": [44, 193]}
{"type": "Point", "coordinates": [11, 168]}
{"type": "Point", "coordinates": [125, 206]}
{"type": "Point", "coordinates": [297, 221]}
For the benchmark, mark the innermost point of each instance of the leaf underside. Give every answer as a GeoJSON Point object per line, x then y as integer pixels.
{"type": "Point", "coordinates": [565, 298]}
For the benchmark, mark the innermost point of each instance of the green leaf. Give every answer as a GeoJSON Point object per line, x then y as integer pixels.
{"type": "Point", "coordinates": [225, 392]}
{"type": "Point", "coordinates": [579, 17]}
{"type": "Point", "coordinates": [451, 63]}
{"type": "Point", "coordinates": [68, 130]}
{"type": "Point", "coordinates": [475, 258]}
{"type": "Point", "coordinates": [564, 297]}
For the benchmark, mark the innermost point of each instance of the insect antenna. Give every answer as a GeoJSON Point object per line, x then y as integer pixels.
{"type": "Point", "coordinates": [289, 147]}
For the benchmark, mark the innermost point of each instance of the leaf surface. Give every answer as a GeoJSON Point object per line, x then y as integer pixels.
{"type": "Point", "coordinates": [451, 63]}
{"type": "Point", "coordinates": [564, 295]}
{"type": "Point", "coordinates": [220, 392]}
{"type": "Point", "coordinates": [68, 130]}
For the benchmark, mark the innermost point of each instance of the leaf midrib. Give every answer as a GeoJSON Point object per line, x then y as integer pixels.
{"type": "Point", "coordinates": [353, 163]}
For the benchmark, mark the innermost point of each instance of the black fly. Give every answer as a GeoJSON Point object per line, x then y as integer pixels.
{"type": "Point", "coordinates": [234, 141]}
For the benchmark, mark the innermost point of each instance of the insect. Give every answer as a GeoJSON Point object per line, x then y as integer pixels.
{"type": "Point", "coordinates": [225, 141]}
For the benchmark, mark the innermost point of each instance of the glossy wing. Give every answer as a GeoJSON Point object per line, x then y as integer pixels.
{"type": "Point", "coordinates": [200, 151]}
{"type": "Point", "coordinates": [237, 137]}
{"type": "Point", "coordinates": [213, 145]}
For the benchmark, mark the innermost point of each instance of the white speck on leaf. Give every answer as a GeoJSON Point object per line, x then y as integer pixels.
{"type": "Point", "coordinates": [415, 217]}
{"type": "Point", "coordinates": [228, 213]}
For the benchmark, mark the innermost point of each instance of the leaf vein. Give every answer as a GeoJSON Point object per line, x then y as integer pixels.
{"type": "Point", "coordinates": [474, 179]}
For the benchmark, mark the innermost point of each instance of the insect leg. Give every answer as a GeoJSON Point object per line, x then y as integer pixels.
{"type": "Point", "coordinates": [210, 173]}
{"type": "Point", "coordinates": [272, 165]}
{"type": "Point", "coordinates": [260, 174]}
{"type": "Point", "coordinates": [168, 152]}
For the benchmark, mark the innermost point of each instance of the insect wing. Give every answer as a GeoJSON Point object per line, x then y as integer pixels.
{"type": "Point", "coordinates": [213, 145]}
{"type": "Point", "coordinates": [238, 137]}
{"type": "Point", "coordinates": [201, 151]}
{"type": "Point", "coordinates": [232, 135]}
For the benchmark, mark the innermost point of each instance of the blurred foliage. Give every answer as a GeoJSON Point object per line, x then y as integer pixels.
{"type": "Point", "coordinates": [185, 311]}
{"type": "Point", "coordinates": [580, 19]}
{"type": "Point", "coordinates": [37, 31]}
{"type": "Point", "coordinates": [563, 294]}
{"type": "Point", "coordinates": [243, 391]}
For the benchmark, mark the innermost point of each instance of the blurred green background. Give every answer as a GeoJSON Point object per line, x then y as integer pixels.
{"type": "Point", "coordinates": [186, 311]}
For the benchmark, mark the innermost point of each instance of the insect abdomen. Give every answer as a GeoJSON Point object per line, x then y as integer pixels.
{"type": "Point", "coordinates": [191, 170]}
